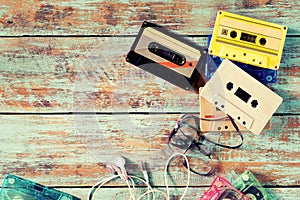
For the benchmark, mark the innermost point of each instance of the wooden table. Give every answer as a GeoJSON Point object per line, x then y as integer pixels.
{"type": "Point", "coordinates": [70, 102]}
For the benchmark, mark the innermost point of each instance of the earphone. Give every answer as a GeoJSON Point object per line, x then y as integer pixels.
{"type": "Point", "coordinates": [119, 168]}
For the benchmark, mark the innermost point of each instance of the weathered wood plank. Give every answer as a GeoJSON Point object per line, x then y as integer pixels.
{"type": "Point", "coordinates": [72, 150]}
{"type": "Point", "coordinates": [75, 17]}
{"type": "Point", "coordinates": [192, 193]}
{"type": "Point", "coordinates": [83, 74]}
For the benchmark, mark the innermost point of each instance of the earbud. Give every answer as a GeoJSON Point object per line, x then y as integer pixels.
{"type": "Point", "coordinates": [120, 162]}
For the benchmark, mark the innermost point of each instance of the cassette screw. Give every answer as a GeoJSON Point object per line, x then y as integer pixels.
{"type": "Point", "coordinates": [219, 183]}
{"type": "Point", "coordinates": [11, 181]}
{"type": "Point", "coordinates": [245, 177]}
{"type": "Point", "coordinates": [269, 78]}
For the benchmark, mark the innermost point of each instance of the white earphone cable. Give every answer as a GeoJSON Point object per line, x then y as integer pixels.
{"type": "Point", "coordinates": [131, 184]}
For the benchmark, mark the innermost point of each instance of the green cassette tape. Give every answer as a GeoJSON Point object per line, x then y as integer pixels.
{"type": "Point", "coordinates": [250, 186]}
{"type": "Point", "coordinates": [16, 188]}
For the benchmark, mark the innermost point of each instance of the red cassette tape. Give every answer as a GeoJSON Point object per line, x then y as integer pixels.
{"type": "Point", "coordinates": [221, 189]}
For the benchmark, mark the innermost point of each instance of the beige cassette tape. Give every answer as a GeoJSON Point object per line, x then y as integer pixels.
{"type": "Point", "coordinates": [248, 40]}
{"type": "Point", "coordinates": [239, 95]}
{"type": "Point", "coordinates": [213, 119]}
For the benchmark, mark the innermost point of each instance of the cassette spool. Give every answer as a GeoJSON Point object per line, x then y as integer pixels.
{"type": "Point", "coordinates": [213, 119]}
{"type": "Point", "coordinates": [251, 187]}
{"type": "Point", "coordinates": [263, 75]}
{"type": "Point", "coordinates": [222, 189]}
{"type": "Point", "coordinates": [248, 40]}
{"type": "Point", "coordinates": [239, 95]}
{"type": "Point", "coordinates": [169, 56]}
{"type": "Point", "coordinates": [16, 188]}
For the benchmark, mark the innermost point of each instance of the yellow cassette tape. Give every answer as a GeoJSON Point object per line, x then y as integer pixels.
{"type": "Point", "coordinates": [248, 40]}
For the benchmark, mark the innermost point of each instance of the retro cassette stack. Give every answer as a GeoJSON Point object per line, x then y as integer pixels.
{"type": "Point", "coordinates": [169, 56]}
{"type": "Point", "coordinates": [16, 188]}
{"type": "Point", "coordinates": [255, 49]}
{"type": "Point", "coordinates": [251, 187]}
{"type": "Point", "coordinates": [222, 189]}
{"type": "Point", "coordinates": [263, 75]}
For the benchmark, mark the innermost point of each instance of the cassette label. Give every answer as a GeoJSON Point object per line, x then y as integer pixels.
{"type": "Point", "coordinates": [169, 56]}
{"type": "Point", "coordinates": [263, 75]}
{"type": "Point", "coordinates": [213, 119]}
{"type": "Point", "coordinates": [16, 188]}
{"type": "Point", "coordinates": [239, 95]}
{"type": "Point", "coordinates": [248, 40]}
{"type": "Point", "coordinates": [221, 189]}
{"type": "Point", "coordinates": [251, 187]}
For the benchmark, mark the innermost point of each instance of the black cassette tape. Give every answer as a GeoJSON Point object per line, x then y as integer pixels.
{"type": "Point", "coordinates": [263, 75]}
{"type": "Point", "coordinates": [221, 189]}
{"type": "Point", "coordinates": [251, 187]}
{"type": "Point", "coordinates": [16, 188]}
{"type": "Point", "coordinates": [169, 56]}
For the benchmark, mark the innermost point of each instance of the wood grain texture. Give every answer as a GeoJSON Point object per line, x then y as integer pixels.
{"type": "Point", "coordinates": [84, 75]}
{"type": "Point", "coordinates": [75, 17]}
{"type": "Point", "coordinates": [192, 194]}
{"type": "Point", "coordinates": [73, 150]}
{"type": "Point", "coordinates": [59, 57]}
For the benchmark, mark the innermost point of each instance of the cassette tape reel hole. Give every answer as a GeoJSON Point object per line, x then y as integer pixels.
{"type": "Point", "coordinates": [254, 103]}
{"type": "Point", "coordinates": [229, 86]}
{"type": "Point", "coordinates": [262, 41]}
{"type": "Point", "coordinates": [233, 34]}
{"type": "Point", "coordinates": [167, 54]}
{"type": "Point", "coordinates": [253, 193]}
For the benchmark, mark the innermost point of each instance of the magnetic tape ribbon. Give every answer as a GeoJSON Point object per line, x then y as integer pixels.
{"type": "Point", "coordinates": [202, 138]}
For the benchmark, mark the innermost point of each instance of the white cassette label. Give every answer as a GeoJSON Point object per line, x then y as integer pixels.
{"type": "Point", "coordinates": [245, 99]}
{"type": "Point", "coordinates": [153, 39]}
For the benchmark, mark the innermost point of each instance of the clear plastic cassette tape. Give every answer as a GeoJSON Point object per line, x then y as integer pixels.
{"type": "Point", "coordinates": [251, 187]}
{"type": "Point", "coordinates": [221, 189]}
{"type": "Point", "coordinates": [16, 188]}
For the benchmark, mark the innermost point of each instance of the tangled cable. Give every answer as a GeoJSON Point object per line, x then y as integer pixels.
{"type": "Point", "coordinates": [150, 190]}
